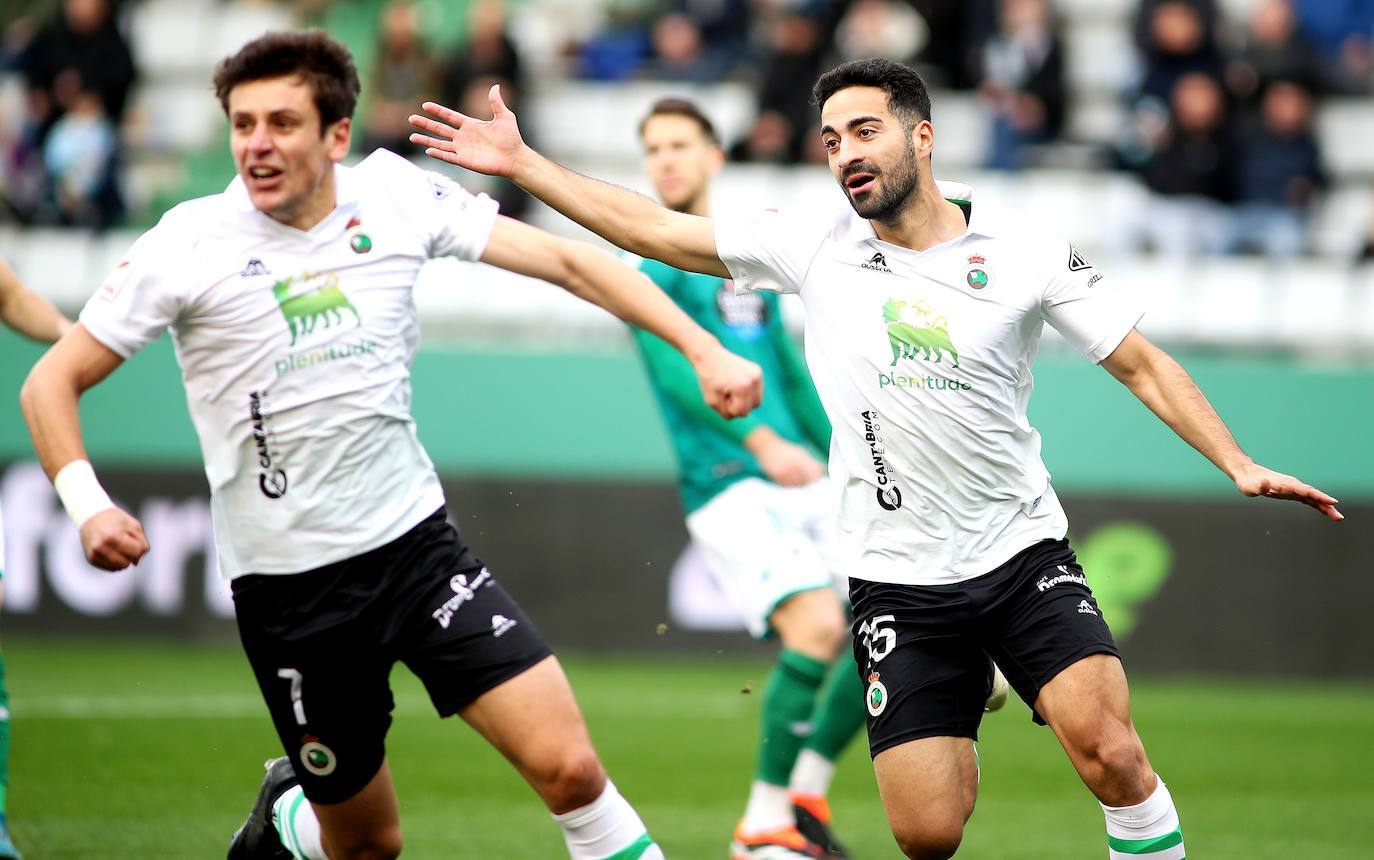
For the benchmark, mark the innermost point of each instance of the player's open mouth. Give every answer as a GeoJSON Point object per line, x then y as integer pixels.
{"type": "Point", "coordinates": [263, 177]}
{"type": "Point", "coordinates": [860, 182]}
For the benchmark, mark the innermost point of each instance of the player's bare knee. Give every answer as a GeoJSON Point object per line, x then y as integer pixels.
{"type": "Point", "coordinates": [812, 624]}
{"type": "Point", "coordinates": [930, 839]}
{"type": "Point", "coordinates": [575, 780]}
{"type": "Point", "coordinates": [1114, 763]}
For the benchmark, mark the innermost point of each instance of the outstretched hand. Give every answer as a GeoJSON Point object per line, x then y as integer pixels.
{"type": "Point", "coordinates": [1255, 480]}
{"type": "Point", "coordinates": [486, 146]}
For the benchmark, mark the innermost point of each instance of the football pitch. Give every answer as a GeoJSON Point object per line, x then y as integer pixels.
{"type": "Point", "coordinates": [154, 751]}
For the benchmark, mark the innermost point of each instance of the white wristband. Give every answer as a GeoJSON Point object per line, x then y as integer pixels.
{"type": "Point", "coordinates": [80, 492]}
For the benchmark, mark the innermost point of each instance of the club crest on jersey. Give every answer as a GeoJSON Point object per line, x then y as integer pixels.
{"type": "Point", "coordinates": [312, 300]}
{"type": "Point", "coordinates": [914, 330]}
{"type": "Point", "coordinates": [318, 758]}
{"type": "Point", "coordinates": [976, 275]}
{"type": "Point", "coordinates": [875, 698]}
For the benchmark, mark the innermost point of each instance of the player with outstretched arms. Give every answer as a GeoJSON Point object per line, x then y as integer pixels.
{"type": "Point", "coordinates": [289, 302]}
{"type": "Point", "coordinates": [924, 307]}
{"type": "Point", "coordinates": [31, 315]}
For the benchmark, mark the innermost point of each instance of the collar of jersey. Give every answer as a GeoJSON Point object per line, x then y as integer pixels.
{"type": "Point", "coordinates": [981, 219]}
{"type": "Point", "coordinates": [345, 205]}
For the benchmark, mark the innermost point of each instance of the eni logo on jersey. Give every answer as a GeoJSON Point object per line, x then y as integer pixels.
{"type": "Point", "coordinates": [312, 300]}
{"type": "Point", "coordinates": [915, 331]}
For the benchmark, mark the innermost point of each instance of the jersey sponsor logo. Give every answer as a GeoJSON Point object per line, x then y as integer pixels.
{"type": "Point", "coordinates": [271, 478]}
{"type": "Point", "coordinates": [915, 331]}
{"type": "Point", "coordinates": [746, 314]}
{"type": "Point", "coordinates": [1097, 276]}
{"type": "Point", "coordinates": [976, 275]}
{"type": "Point", "coordinates": [324, 355]}
{"type": "Point", "coordinates": [1065, 576]}
{"type": "Point", "coordinates": [254, 268]}
{"type": "Point", "coordinates": [463, 591]}
{"type": "Point", "coordinates": [877, 262]}
{"type": "Point", "coordinates": [1076, 261]}
{"type": "Point", "coordinates": [500, 624]}
{"type": "Point", "coordinates": [315, 301]}
{"type": "Point", "coordinates": [888, 494]}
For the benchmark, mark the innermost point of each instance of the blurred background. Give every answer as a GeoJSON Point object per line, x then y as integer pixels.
{"type": "Point", "coordinates": [1215, 155]}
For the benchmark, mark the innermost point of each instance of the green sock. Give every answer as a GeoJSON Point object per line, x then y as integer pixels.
{"type": "Point", "coordinates": [839, 711]}
{"type": "Point", "coordinates": [4, 736]}
{"type": "Point", "coordinates": [789, 697]}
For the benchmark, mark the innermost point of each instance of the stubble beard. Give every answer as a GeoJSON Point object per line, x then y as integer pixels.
{"type": "Point", "coordinates": [896, 189]}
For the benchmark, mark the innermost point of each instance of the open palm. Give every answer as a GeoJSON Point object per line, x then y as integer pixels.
{"type": "Point", "coordinates": [486, 146]}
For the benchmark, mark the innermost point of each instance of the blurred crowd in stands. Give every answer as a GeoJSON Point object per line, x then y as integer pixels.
{"type": "Point", "coordinates": [1219, 115]}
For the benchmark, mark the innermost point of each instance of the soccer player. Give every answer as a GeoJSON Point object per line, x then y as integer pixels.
{"type": "Point", "coordinates": [32, 315]}
{"type": "Point", "coordinates": [289, 301]}
{"type": "Point", "coordinates": [924, 308]}
{"type": "Point", "coordinates": [760, 509]}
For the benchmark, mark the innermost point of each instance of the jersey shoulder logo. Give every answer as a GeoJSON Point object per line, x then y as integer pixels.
{"type": "Point", "coordinates": [877, 262]}
{"type": "Point", "coordinates": [914, 330]}
{"type": "Point", "coordinates": [316, 300]}
{"type": "Point", "coordinates": [1076, 261]}
{"type": "Point", "coordinates": [254, 268]}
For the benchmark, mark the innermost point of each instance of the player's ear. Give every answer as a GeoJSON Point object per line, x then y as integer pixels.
{"type": "Point", "coordinates": [716, 159]}
{"type": "Point", "coordinates": [340, 138]}
{"type": "Point", "coordinates": [923, 138]}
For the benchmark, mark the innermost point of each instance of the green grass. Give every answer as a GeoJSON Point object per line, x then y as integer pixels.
{"type": "Point", "coordinates": [153, 751]}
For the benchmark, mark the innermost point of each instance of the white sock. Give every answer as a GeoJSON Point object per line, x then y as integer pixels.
{"type": "Point", "coordinates": [1147, 831]}
{"type": "Point", "coordinates": [608, 828]}
{"type": "Point", "coordinates": [769, 808]}
{"type": "Point", "coordinates": [812, 773]}
{"type": "Point", "coordinates": [297, 825]}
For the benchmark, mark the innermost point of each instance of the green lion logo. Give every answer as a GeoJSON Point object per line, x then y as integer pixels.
{"type": "Point", "coordinates": [324, 304]}
{"type": "Point", "coordinates": [914, 328]}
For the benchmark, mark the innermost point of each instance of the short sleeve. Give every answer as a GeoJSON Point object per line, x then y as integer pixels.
{"type": "Point", "coordinates": [767, 251]}
{"type": "Point", "coordinates": [143, 295]}
{"type": "Point", "coordinates": [1091, 312]}
{"type": "Point", "coordinates": [462, 221]}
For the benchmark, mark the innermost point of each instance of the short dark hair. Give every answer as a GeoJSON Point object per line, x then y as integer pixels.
{"type": "Point", "coordinates": [324, 64]}
{"type": "Point", "coordinates": [681, 107]}
{"type": "Point", "coordinates": [907, 97]}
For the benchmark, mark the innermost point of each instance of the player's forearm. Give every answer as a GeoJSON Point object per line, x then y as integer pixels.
{"type": "Point", "coordinates": [622, 217]}
{"type": "Point", "coordinates": [605, 281]}
{"type": "Point", "coordinates": [1167, 389]}
{"type": "Point", "coordinates": [675, 377]}
{"type": "Point", "coordinates": [34, 316]}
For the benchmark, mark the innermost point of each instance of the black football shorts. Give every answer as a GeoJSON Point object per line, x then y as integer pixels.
{"type": "Point", "coordinates": [322, 644]}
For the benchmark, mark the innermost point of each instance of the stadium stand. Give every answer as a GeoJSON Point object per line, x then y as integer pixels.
{"type": "Point", "coordinates": [174, 136]}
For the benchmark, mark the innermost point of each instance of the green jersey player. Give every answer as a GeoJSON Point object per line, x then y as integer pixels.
{"type": "Point", "coordinates": [31, 315]}
{"type": "Point", "coordinates": [760, 509]}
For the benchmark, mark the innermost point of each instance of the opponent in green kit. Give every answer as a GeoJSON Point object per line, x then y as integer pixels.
{"type": "Point", "coordinates": [31, 315]}
{"type": "Point", "coordinates": [760, 509]}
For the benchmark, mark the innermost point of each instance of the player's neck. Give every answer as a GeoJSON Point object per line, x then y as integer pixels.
{"type": "Point", "coordinates": [313, 209]}
{"type": "Point", "coordinates": [700, 205]}
{"type": "Point", "coordinates": [927, 221]}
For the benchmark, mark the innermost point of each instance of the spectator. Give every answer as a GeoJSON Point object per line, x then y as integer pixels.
{"type": "Point", "coordinates": [1279, 175]}
{"type": "Point", "coordinates": [959, 30]}
{"type": "Point", "coordinates": [488, 54]}
{"type": "Point", "coordinates": [78, 155]}
{"type": "Point", "coordinates": [772, 139]}
{"type": "Point", "coordinates": [616, 52]}
{"type": "Point", "coordinates": [679, 52]}
{"type": "Point", "coordinates": [1342, 31]}
{"type": "Point", "coordinates": [880, 28]}
{"type": "Point", "coordinates": [1272, 49]}
{"type": "Point", "coordinates": [82, 43]}
{"type": "Point", "coordinates": [796, 45]}
{"type": "Point", "coordinates": [1023, 81]}
{"type": "Point", "coordinates": [404, 74]}
{"type": "Point", "coordinates": [724, 26]}
{"type": "Point", "coordinates": [1176, 38]}
{"type": "Point", "coordinates": [1188, 165]}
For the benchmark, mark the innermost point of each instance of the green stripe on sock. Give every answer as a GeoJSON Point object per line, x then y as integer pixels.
{"type": "Point", "coordinates": [290, 828]}
{"type": "Point", "coordinates": [635, 851]}
{"type": "Point", "coordinates": [1145, 846]}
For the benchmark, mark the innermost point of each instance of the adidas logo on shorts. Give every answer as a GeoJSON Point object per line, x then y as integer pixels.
{"type": "Point", "coordinates": [500, 624]}
{"type": "Point", "coordinates": [1086, 608]}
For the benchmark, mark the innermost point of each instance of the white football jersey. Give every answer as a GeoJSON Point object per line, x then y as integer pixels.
{"type": "Point", "coordinates": [923, 362]}
{"type": "Point", "coordinates": [295, 348]}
